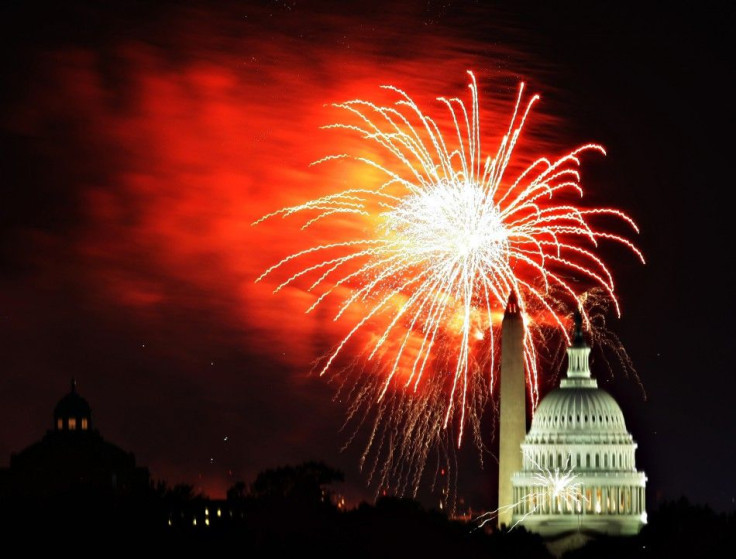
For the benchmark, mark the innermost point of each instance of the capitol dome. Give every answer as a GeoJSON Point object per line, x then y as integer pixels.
{"type": "Point", "coordinates": [572, 412]}
{"type": "Point", "coordinates": [579, 470]}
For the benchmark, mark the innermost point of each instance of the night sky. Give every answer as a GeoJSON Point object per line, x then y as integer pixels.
{"type": "Point", "coordinates": [140, 140]}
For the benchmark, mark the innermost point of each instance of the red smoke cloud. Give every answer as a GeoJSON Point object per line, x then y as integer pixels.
{"type": "Point", "coordinates": [178, 142]}
{"type": "Point", "coordinates": [199, 149]}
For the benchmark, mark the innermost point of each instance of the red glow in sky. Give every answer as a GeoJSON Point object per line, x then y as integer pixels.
{"type": "Point", "coordinates": [195, 150]}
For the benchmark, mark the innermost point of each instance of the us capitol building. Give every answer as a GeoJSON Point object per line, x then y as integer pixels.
{"type": "Point", "coordinates": [576, 471]}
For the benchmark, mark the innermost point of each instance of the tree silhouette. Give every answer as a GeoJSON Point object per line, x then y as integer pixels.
{"type": "Point", "coordinates": [237, 492]}
{"type": "Point", "coordinates": [302, 484]}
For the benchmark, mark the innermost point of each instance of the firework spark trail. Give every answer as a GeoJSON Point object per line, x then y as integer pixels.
{"type": "Point", "coordinates": [448, 240]}
{"type": "Point", "coordinates": [551, 487]}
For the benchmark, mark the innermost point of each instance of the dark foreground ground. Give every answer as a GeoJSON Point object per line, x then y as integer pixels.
{"type": "Point", "coordinates": [283, 527]}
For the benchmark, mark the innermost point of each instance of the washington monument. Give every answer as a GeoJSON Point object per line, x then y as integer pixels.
{"type": "Point", "coordinates": [512, 407]}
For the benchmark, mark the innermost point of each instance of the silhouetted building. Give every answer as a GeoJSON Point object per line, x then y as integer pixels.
{"type": "Point", "coordinates": [72, 459]}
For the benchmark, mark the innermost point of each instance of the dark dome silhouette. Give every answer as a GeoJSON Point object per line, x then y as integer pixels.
{"type": "Point", "coordinates": [73, 412]}
{"type": "Point", "coordinates": [72, 458]}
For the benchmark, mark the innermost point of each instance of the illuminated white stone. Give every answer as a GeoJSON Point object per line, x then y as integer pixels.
{"type": "Point", "coordinates": [579, 429]}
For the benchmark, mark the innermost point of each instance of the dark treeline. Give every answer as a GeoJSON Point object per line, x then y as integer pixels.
{"type": "Point", "coordinates": [294, 510]}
